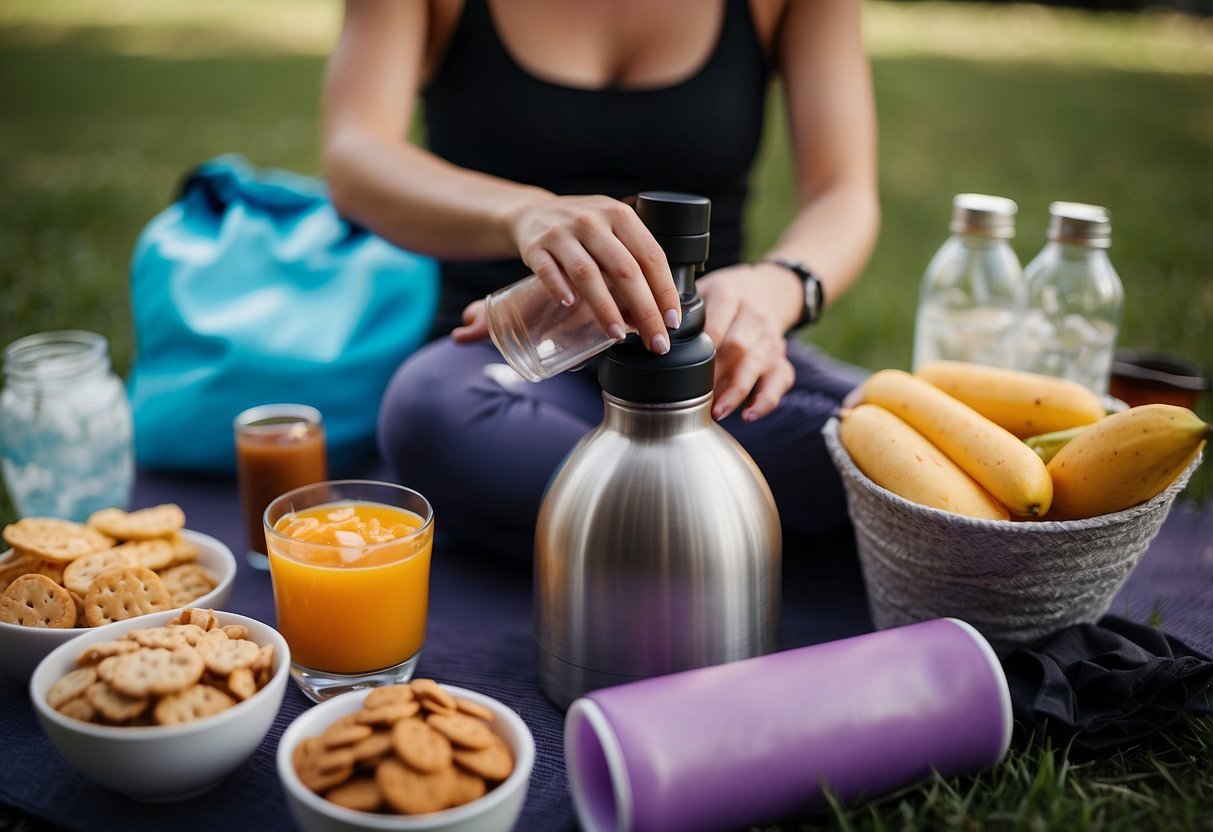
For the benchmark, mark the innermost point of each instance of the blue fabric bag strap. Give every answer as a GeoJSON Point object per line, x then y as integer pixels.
{"type": "Point", "coordinates": [230, 178]}
{"type": "Point", "coordinates": [250, 289]}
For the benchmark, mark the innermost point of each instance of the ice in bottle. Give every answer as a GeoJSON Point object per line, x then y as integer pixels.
{"type": "Point", "coordinates": [1075, 299]}
{"type": "Point", "coordinates": [972, 292]}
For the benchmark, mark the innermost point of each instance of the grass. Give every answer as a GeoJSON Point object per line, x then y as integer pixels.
{"type": "Point", "coordinates": [104, 105]}
{"type": "Point", "coordinates": [1162, 787]}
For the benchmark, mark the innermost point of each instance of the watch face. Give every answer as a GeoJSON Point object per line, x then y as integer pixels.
{"type": "Point", "coordinates": [812, 297]}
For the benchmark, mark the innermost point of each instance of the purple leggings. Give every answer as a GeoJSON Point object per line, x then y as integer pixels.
{"type": "Point", "coordinates": [481, 444]}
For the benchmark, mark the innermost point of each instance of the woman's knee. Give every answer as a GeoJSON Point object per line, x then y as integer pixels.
{"type": "Point", "coordinates": [419, 400]}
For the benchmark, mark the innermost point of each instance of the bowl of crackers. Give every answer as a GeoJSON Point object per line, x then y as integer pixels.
{"type": "Point", "coordinates": [416, 756]}
{"type": "Point", "coordinates": [165, 706]}
{"type": "Point", "coordinates": [62, 578]}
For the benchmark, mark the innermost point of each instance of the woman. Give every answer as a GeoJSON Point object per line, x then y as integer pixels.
{"type": "Point", "coordinates": [542, 116]}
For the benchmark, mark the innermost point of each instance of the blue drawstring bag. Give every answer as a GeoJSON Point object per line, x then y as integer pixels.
{"type": "Point", "coordinates": [250, 289]}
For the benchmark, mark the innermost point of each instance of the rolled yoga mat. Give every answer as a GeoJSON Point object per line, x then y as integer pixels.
{"type": "Point", "coordinates": [722, 747]}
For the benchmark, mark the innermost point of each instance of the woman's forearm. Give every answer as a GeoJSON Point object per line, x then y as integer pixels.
{"type": "Point", "coordinates": [832, 126]}
{"type": "Point", "coordinates": [401, 191]}
{"type": "Point", "coordinates": [834, 235]}
{"type": "Point", "coordinates": [420, 202]}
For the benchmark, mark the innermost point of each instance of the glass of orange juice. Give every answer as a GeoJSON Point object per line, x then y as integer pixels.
{"type": "Point", "coordinates": [350, 565]}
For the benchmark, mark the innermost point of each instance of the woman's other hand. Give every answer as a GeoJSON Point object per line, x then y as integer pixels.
{"type": "Point", "coordinates": [475, 324]}
{"type": "Point", "coordinates": [752, 367]}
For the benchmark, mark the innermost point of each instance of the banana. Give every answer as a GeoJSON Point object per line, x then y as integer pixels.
{"type": "Point", "coordinates": [1024, 403]}
{"type": "Point", "coordinates": [1047, 445]}
{"type": "Point", "coordinates": [1124, 459]}
{"type": "Point", "coordinates": [1000, 462]}
{"type": "Point", "coordinates": [895, 456]}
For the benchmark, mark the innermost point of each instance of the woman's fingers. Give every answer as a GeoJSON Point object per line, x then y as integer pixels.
{"type": "Point", "coordinates": [769, 391]}
{"type": "Point", "coordinates": [759, 376]}
{"type": "Point", "coordinates": [661, 301]}
{"type": "Point", "coordinates": [552, 277]}
{"type": "Point", "coordinates": [595, 250]}
{"type": "Point", "coordinates": [475, 324]}
{"type": "Point", "coordinates": [752, 367]}
{"type": "Point", "coordinates": [638, 284]}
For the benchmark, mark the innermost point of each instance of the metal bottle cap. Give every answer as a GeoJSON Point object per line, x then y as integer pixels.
{"type": "Point", "coordinates": [680, 223]}
{"type": "Point", "coordinates": [1079, 224]}
{"type": "Point", "coordinates": [984, 215]}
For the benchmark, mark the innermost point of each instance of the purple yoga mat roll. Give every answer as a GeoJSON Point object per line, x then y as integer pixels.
{"type": "Point", "coordinates": [723, 747]}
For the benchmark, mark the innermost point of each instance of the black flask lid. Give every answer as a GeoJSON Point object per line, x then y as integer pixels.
{"type": "Point", "coordinates": [680, 223]}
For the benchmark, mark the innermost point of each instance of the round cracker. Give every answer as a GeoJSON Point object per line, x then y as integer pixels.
{"type": "Point", "coordinates": [359, 793]}
{"type": "Point", "coordinates": [14, 566]}
{"type": "Point", "coordinates": [70, 686]}
{"type": "Point", "coordinates": [124, 593]}
{"type": "Point", "coordinates": [154, 554]}
{"type": "Point", "coordinates": [494, 762]}
{"type": "Point", "coordinates": [187, 582]}
{"type": "Point", "coordinates": [154, 670]}
{"type": "Point", "coordinates": [223, 655]}
{"type": "Point", "coordinates": [195, 702]}
{"type": "Point", "coordinates": [35, 600]}
{"type": "Point", "coordinates": [143, 524]}
{"type": "Point", "coordinates": [414, 792]}
{"type": "Point", "coordinates": [113, 705]}
{"type": "Point", "coordinates": [50, 538]}
{"type": "Point", "coordinates": [419, 745]}
{"type": "Point", "coordinates": [79, 574]}
{"type": "Point", "coordinates": [462, 730]}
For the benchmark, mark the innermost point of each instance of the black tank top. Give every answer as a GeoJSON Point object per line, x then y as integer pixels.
{"type": "Point", "coordinates": [485, 112]}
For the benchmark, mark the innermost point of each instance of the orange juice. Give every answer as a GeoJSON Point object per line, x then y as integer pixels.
{"type": "Point", "coordinates": [351, 585]}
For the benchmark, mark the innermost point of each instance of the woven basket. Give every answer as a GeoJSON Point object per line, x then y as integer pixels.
{"type": "Point", "coordinates": [1014, 581]}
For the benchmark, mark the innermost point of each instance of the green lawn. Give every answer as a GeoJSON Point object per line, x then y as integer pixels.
{"type": "Point", "coordinates": [103, 107]}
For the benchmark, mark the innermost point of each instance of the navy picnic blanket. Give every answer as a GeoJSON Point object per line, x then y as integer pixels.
{"type": "Point", "coordinates": [479, 637]}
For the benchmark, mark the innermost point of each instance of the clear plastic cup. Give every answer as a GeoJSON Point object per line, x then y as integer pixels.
{"type": "Point", "coordinates": [537, 335]}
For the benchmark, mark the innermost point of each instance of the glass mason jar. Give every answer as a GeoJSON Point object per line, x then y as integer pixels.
{"type": "Point", "coordinates": [972, 291]}
{"type": "Point", "coordinates": [1075, 299]}
{"type": "Point", "coordinates": [65, 425]}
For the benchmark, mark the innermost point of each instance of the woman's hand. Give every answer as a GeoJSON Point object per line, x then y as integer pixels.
{"type": "Point", "coordinates": [752, 367]}
{"type": "Point", "coordinates": [475, 324]}
{"type": "Point", "coordinates": [596, 250]}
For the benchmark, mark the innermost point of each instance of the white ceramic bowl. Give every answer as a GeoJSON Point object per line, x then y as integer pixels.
{"type": "Point", "coordinates": [21, 648]}
{"type": "Point", "coordinates": [161, 763]}
{"type": "Point", "coordinates": [497, 811]}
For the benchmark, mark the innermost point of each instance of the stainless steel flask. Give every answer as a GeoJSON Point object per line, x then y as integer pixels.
{"type": "Point", "coordinates": [657, 546]}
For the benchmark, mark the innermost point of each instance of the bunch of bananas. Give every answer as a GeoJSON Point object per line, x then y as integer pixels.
{"type": "Point", "coordinates": [1000, 444]}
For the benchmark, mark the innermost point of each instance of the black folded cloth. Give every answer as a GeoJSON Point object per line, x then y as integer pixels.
{"type": "Point", "coordinates": [1102, 686]}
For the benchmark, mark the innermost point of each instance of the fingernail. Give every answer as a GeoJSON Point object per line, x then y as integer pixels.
{"type": "Point", "coordinates": [672, 318]}
{"type": "Point", "coordinates": [660, 344]}
{"type": "Point", "coordinates": [615, 331]}
{"type": "Point", "coordinates": [568, 300]}
{"type": "Point", "coordinates": [719, 412]}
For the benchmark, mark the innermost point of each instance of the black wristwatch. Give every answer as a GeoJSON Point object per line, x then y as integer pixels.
{"type": "Point", "coordinates": [814, 296]}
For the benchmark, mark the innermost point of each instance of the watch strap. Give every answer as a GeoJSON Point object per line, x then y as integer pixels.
{"type": "Point", "coordinates": [813, 292]}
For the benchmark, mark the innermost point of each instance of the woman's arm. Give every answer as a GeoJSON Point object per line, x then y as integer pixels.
{"type": "Point", "coordinates": [402, 192]}
{"type": "Point", "coordinates": [589, 249]}
{"type": "Point", "coordinates": [831, 114]}
{"type": "Point", "coordinates": [832, 118]}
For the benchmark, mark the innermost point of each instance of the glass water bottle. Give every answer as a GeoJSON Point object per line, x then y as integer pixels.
{"type": "Point", "coordinates": [1075, 299]}
{"type": "Point", "coordinates": [972, 292]}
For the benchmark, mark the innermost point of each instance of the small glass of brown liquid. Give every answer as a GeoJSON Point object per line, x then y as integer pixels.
{"type": "Point", "coordinates": [279, 447]}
